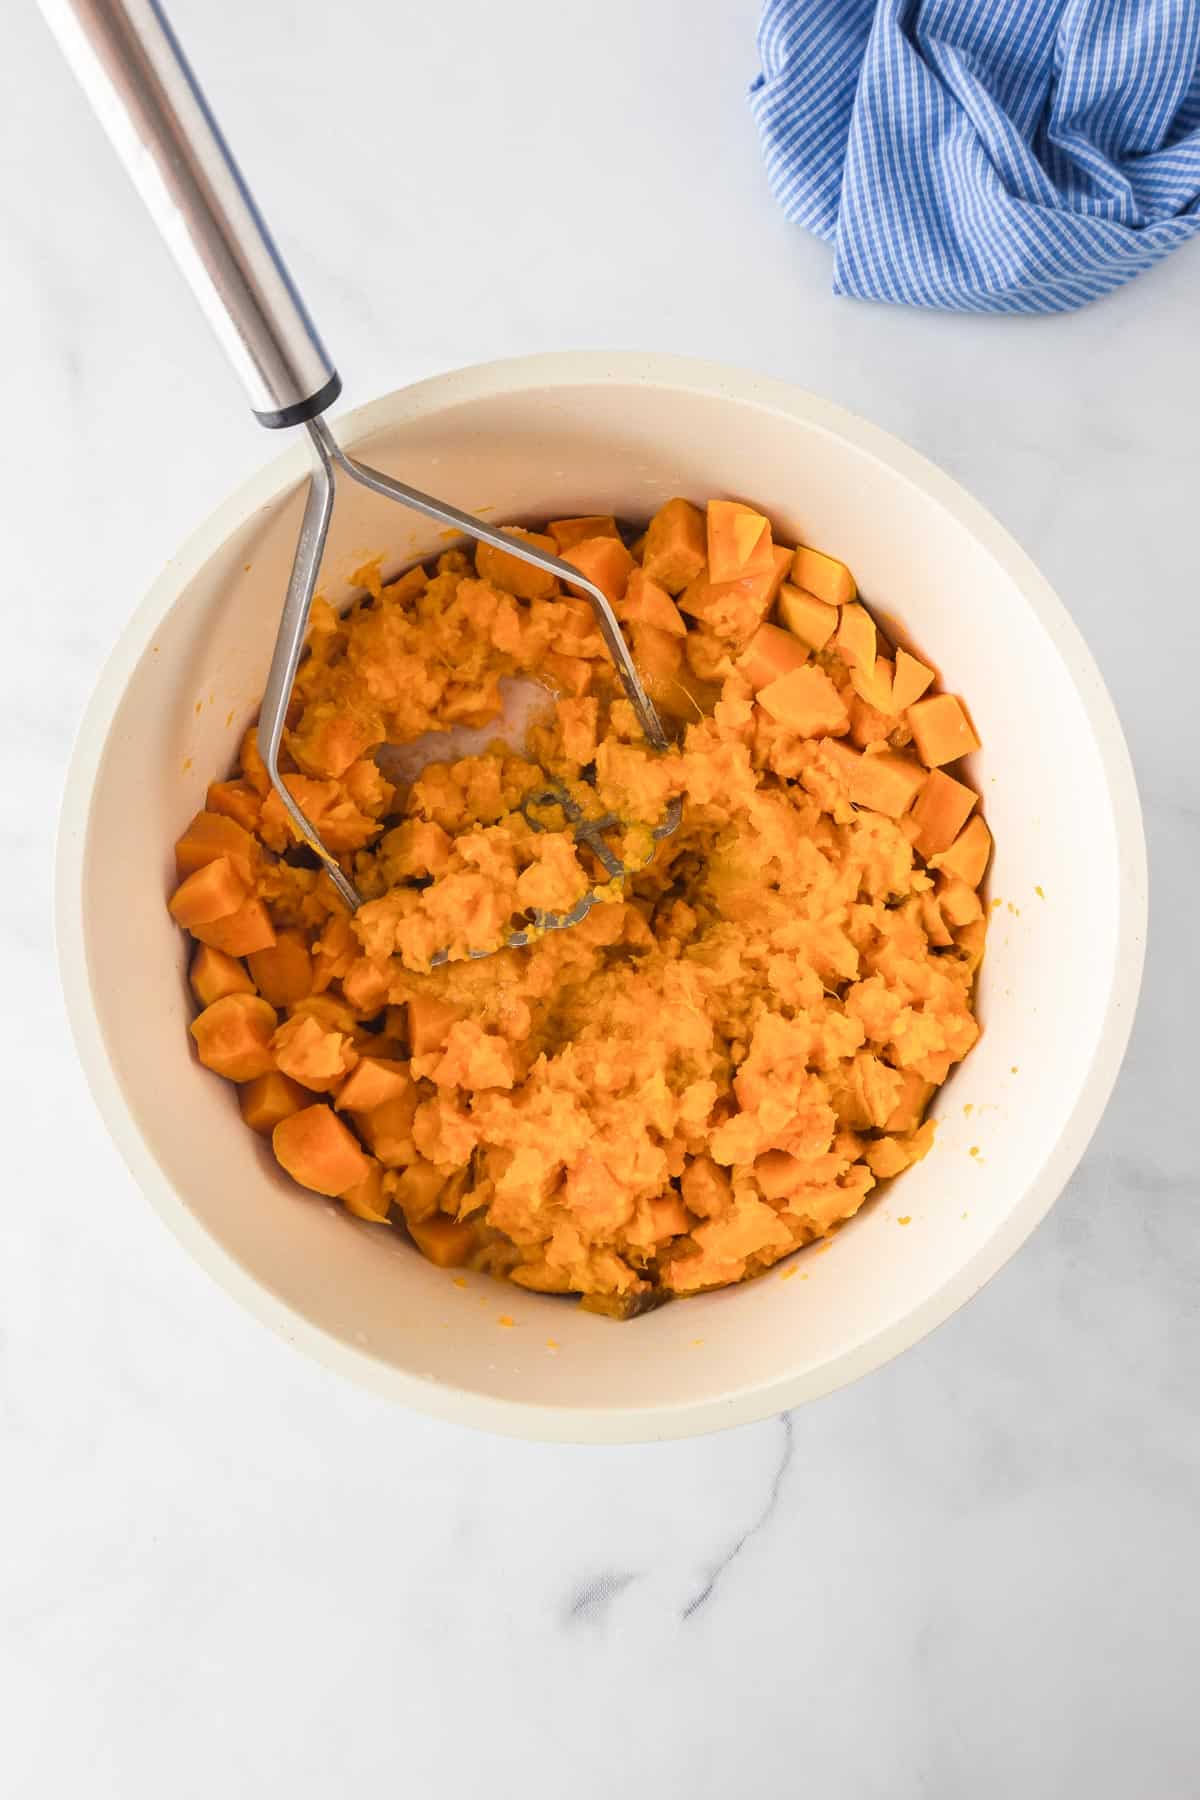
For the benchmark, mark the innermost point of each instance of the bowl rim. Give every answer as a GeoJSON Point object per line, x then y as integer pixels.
{"type": "Point", "coordinates": [538, 1421]}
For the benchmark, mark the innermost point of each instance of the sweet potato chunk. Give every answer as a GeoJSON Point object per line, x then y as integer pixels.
{"type": "Point", "coordinates": [942, 809]}
{"type": "Point", "coordinates": [569, 532]}
{"type": "Point", "coordinates": [646, 603]}
{"type": "Point", "coordinates": [241, 933]}
{"type": "Point", "coordinates": [933, 924]}
{"type": "Point", "coordinates": [373, 1081]}
{"type": "Point", "coordinates": [429, 1022]}
{"type": "Point", "coordinates": [771, 652]}
{"type": "Point", "coordinates": [319, 1151]}
{"type": "Point", "coordinates": [941, 730]}
{"type": "Point", "coordinates": [446, 1242]}
{"type": "Point", "coordinates": [417, 1189]}
{"type": "Point", "coordinates": [366, 1199]}
{"type": "Point", "coordinates": [571, 675]}
{"type": "Point", "coordinates": [516, 577]}
{"type": "Point", "coordinates": [312, 1054]}
{"type": "Point", "coordinates": [886, 782]}
{"type": "Point", "coordinates": [388, 1128]}
{"type": "Point", "coordinates": [960, 904]}
{"type": "Point", "coordinates": [269, 1098]}
{"type": "Point", "coordinates": [655, 652]}
{"type": "Point", "coordinates": [874, 685]}
{"type": "Point", "coordinates": [675, 545]}
{"type": "Point", "coordinates": [967, 857]}
{"type": "Point", "coordinates": [856, 638]}
{"type": "Point", "coordinates": [213, 975]}
{"type": "Point", "coordinates": [604, 561]}
{"type": "Point", "coordinates": [805, 701]}
{"type": "Point", "coordinates": [233, 1036]}
{"type": "Point", "coordinates": [683, 696]}
{"type": "Point", "coordinates": [706, 1189]}
{"type": "Point", "coordinates": [668, 1217]}
{"type": "Point", "coordinates": [236, 800]}
{"type": "Point", "coordinates": [211, 835]}
{"type": "Point", "coordinates": [910, 681]}
{"type": "Point", "coordinates": [213, 892]}
{"type": "Point", "coordinates": [824, 576]}
{"type": "Point", "coordinates": [284, 971]}
{"type": "Point", "coordinates": [811, 620]}
{"type": "Point", "coordinates": [738, 541]}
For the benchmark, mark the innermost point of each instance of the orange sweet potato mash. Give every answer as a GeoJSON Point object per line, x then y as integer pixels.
{"type": "Point", "coordinates": [723, 1059]}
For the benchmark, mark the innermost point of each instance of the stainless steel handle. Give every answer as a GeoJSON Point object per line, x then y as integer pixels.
{"type": "Point", "coordinates": [138, 81]}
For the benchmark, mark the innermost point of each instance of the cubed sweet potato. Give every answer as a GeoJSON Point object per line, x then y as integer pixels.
{"type": "Point", "coordinates": [733, 610]}
{"type": "Point", "coordinates": [738, 541]}
{"type": "Point", "coordinates": [959, 903]}
{"type": "Point", "coordinates": [683, 697]}
{"type": "Point", "coordinates": [655, 652]}
{"type": "Point", "coordinates": [673, 553]}
{"type": "Point", "coordinates": [211, 835]}
{"type": "Point", "coordinates": [213, 975]}
{"type": "Point", "coordinates": [417, 1190]}
{"type": "Point", "coordinates": [967, 857]}
{"type": "Point", "coordinates": [233, 1036]}
{"type": "Point", "coordinates": [388, 1128]}
{"type": "Point", "coordinates": [284, 971]}
{"type": "Point", "coordinates": [417, 847]}
{"type": "Point", "coordinates": [523, 579]}
{"type": "Point", "coordinates": [571, 675]}
{"type": "Point", "coordinates": [319, 1151]}
{"type": "Point", "coordinates": [910, 681]}
{"type": "Point", "coordinates": [933, 924]}
{"type": "Point", "coordinates": [214, 892]}
{"type": "Point", "coordinates": [241, 933]}
{"type": "Point", "coordinates": [569, 532]}
{"type": "Point", "coordinates": [269, 1098]}
{"type": "Point", "coordinates": [942, 809]}
{"type": "Point", "coordinates": [771, 652]}
{"type": "Point", "coordinates": [236, 800]}
{"type": "Point", "coordinates": [941, 730]}
{"type": "Point", "coordinates": [856, 637]}
{"type": "Point", "coordinates": [313, 1054]}
{"type": "Point", "coordinates": [366, 1199]}
{"type": "Point", "coordinates": [373, 1081]}
{"type": "Point", "coordinates": [874, 685]}
{"type": "Point", "coordinates": [886, 782]}
{"type": "Point", "coordinates": [646, 603]}
{"type": "Point", "coordinates": [429, 1022]}
{"type": "Point", "coordinates": [824, 576]}
{"type": "Point", "coordinates": [446, 1242]}
{"type": "Point", "coordinates": [811, 620]}
{"type": "Point", "coordinates": [805, 701]}
{"type": "Point", "coordinates": [253, 768]}
{"type": "Point", "coordinates": [605, 562]}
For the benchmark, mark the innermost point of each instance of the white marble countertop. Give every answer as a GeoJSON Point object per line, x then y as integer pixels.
{"type": "Point", "coordinates": [228, 1573]}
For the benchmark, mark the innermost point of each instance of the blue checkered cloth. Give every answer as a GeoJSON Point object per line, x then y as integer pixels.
{"type": "Point", "coordinates": [984, 155]}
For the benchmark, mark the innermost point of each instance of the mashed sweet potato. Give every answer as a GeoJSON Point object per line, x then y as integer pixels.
{"type": "Point", "coordinates": [719, 1063]}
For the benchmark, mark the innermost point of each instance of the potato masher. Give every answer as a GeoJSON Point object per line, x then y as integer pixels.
{"type": "Point", "coordinates": [133, 71]}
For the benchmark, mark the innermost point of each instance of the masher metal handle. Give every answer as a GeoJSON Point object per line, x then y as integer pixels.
{"type": "Point", "coordinates": [137, 78]}
{"type": "Point", "coordinates": [135, 74]}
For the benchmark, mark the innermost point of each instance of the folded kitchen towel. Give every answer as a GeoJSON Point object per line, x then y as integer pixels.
{"type": "Point", "coordinates": [984, 155]}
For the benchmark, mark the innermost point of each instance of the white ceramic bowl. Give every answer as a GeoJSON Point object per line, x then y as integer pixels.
{"type": "Point", "coordinates": [551, 436]}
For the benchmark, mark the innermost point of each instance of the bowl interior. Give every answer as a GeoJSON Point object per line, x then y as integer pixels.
{"type": "Point", "coordinates": [530, 447]}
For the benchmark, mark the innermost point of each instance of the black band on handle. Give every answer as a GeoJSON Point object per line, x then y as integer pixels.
{"type": "Point", "coordinates": [304, 409]}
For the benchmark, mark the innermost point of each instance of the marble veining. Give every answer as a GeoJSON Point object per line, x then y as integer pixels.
{"type": "Point", "coordinates": [225, 1571]}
